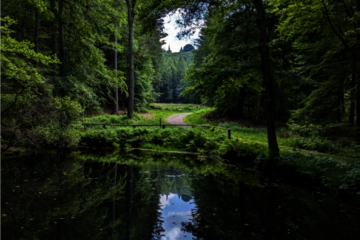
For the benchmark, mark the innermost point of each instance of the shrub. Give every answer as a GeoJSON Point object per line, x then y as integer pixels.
{"type": "Point", "coordinates": [99, 138]}
{"type": "Point", "coordinates": [54, 136]}
{"type": "Point", "coordinates": [314, 143]}
{"type": "Point", "coordinates": [352, 179]}
{"type": "Point", "coordinates": [240, 152]}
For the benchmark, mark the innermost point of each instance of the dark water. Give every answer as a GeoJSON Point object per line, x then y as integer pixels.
{"type": "Point", "coordinates": [151, 196]}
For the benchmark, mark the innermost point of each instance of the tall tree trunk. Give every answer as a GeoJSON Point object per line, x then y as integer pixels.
{"type": "Point", "coordinates": [340, 109]}
{"type": "Point", "coordinates": [257, 105]}
{"type": "Point", "coordinates": [241, 103]}
{"type": "Point", "coordinates": [61, 39]}
{"type": "Point", "coordinates": [352, 90]}
{"type": "Point", "coordinates": [116, 108]}
{"type": "Point", "coordinates": [53, 33]}
{"type": "Point", "coordinates": [357, 64]}
{"type": "Point", "coordinates": [131, 14]}
{"type": "Point", "coordinates": [267, 76]}
{"type": "Point", "coordinates": [36, 33]}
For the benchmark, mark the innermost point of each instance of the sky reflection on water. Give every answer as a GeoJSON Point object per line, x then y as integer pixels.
{"type": "Point", "coordinates": [175, 210]}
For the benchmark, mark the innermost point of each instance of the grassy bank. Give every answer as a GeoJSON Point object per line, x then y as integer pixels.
{"type": "Point", "coordinates": [293, 138]}
{"type": "Point", "coordinates": [322, 169]}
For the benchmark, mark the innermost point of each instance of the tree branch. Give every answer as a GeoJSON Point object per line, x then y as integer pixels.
{"type": "Point", "coordinates": [333, 29]}
{"type": "Point", "coordinates": [2, 112]}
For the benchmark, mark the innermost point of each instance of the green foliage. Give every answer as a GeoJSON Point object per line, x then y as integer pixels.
{"type": "Point", "coordinates": [198, 117]}
{"type": "Point", "coordinates": [324, 56]}
{"type": "Point", "coordinates": [20, 79]}
{"type": "Point", "coordinates": [318, 138]}
{"type": "Point", "coordinates": [42, 91]}
{"type": "Point", "coordinates": [53, 136]}
{"type": "Point", "coordinates": [352, 179]}
{"type": "Point", "coordinates": [96, 138]}
{"type": "Point", "coordinates": [58, 56]}
{"type": "Point", "coordinates": [331, 138]}
{"type": "Point", "coordinates": [242, 153]}
{"type": "Point", "coordinates": [331, 173]}
{"type": "Point", "coordinates": [193, 140]}
{"type": "Point", "coordinates": [177, 107]}
{"type": "Point", "coordinates": [172, 70]}
{"type": "Point", "coordinates": [227, 69]}
{"type": "Point", "coordinates": [107, 119]}
{"type": "Point", "coordinates": [15, 55]}
{"type": "Point", "coordinates": [148, 60]}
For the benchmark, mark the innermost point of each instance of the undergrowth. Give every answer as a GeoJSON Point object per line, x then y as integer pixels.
{"type": "Point", "coordinates": [332, 139]}
{"type": "Point", "coordinates": [332, 174]}
{"type": "Point", "coordinates": [210, 142]}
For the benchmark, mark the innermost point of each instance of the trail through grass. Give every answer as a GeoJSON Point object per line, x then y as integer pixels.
{"type": "Point", "coordinates": [154, 114]}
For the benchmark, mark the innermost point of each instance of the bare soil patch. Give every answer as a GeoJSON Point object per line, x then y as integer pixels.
{"type": "Point", "coordinates": [147, 115]}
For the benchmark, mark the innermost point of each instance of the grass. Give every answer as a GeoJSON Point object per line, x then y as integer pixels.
{"type": "Point", "coordinates": [287, 140]}
{"type": "Point", "coordinates": [157, 112]}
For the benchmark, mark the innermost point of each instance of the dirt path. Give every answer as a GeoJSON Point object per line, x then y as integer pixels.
{"type": "Point", "coordinates": [177, 118]}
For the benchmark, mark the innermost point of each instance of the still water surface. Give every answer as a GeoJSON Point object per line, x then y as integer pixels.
{"type": "Point", "coordinates": [156, 196]}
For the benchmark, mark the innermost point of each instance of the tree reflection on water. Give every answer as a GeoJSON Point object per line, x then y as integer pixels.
{"type": "Point", "coordinates": [159, 196]}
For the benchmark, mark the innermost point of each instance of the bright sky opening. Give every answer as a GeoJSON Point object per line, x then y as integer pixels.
{"type": "Point", "coordinates": [172, 30]}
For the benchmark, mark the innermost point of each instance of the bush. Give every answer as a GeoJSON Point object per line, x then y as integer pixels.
{"type": "Point", "coordinates": [240, 152]}
{"type": "Point", "coordinates": [99, 138]}
{"type": "Point", "coordinates": [53, 136]}
{"type": "Point", "coordinates": [352, 179]}
{"type": "Point", "coordinates": [314, 143]}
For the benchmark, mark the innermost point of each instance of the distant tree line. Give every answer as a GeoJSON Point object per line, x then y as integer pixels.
{"type": "Point", "coordinates": [173, 70]}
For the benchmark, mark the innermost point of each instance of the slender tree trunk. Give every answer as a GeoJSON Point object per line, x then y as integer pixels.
{"type": "Point", "coordinates": [358, 65]}
{"type": "Point", "coordinates": [241, 103]}
{"type": "Point", "coordinates": [129, 193]}
{"type": "Point", "coordinates": [53, 33]}
{"type": "Point", "coordinates": [257, 104]}
{"type": "Point", "coordinates": [267, 76]}
{"type": "Point", "coordinates": [130, 7]}
{"type": "Point", "coordinates": [123, 101]}
{"type": "Point", "coordinates": [36, 35]}
{"type": "Point", "coordinates": [352, 90]}
{"type": "Point", "coordinates": [352, 112]}
{"type": "Point", "coordinates": [61, 39]}
{"type": "Point", "coordinates": [340, 109]}
{"type": "Point", "coordinates": [116, 84]}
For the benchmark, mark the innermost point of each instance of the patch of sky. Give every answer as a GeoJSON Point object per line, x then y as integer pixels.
{"type": "Point", "coordinates": [176, 209]}
{"type": "Point", "coordinates": [172, 29]}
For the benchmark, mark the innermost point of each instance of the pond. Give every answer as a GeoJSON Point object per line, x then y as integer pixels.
{"type": "Point", "coordinates": [144, 195]}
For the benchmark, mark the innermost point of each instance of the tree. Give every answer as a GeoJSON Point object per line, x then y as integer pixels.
{"type": "Point", "coordinates": [267, 76]}
{"type": "Point", "coordinates": [131, 4]}
{"type": "Point", "coordinates": [79, 34]}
